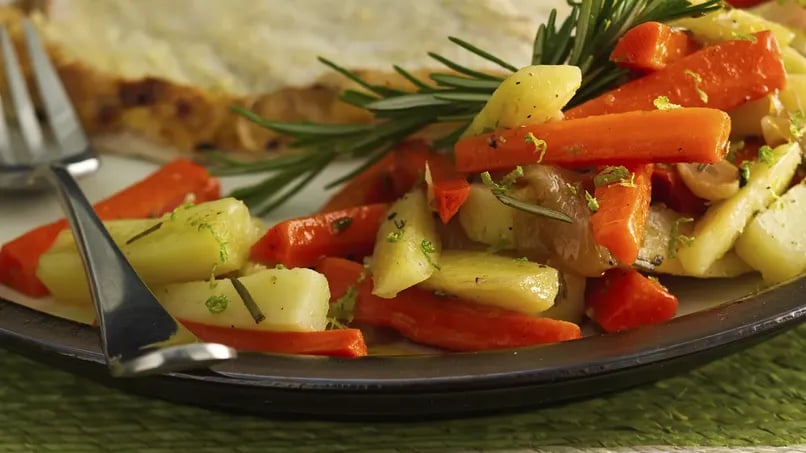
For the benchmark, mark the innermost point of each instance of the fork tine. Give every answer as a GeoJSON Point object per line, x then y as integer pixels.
{"type": "Point", "coordinates": [62, 117]}
{"type": "Point", "coordinates": [23, 107]}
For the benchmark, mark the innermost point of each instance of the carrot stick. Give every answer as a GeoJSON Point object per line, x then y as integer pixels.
{"type": "Point", "coordinates": [630, 138]}
{"type": "Point", "coordinates": [624, 299]}
{"type": "Point", "coordinates": [445, 322]}
{"type": "Point", "coordinates": [155, 195]}
{"type": "Point", "coordinates": [373, 185]}
{"type": "Point", "coordinates": [619, 222]}
{"type": "Point", "coordinates": [723, 76]}
{"type": "Point", "coordinates": [337, 343]}
{"type": "Point", "coordinates": [668, 187]}
{"type": "Point", "coordinates": [651, 46]}
{"type": "Point", "coordinates": [341, 274]}
{"type": "Point", "coordinates": [457, 325]}
{"type": "Point", "coordinates": [302, 241]}
{"type": "Point", "coordinates": [449, 188]}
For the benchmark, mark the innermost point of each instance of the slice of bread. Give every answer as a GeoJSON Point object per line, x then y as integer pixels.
{"type": "Point", "coordinates": [166, 72]}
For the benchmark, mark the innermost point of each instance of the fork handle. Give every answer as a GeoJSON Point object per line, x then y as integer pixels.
{"type": "Point", "coordinates": [130, 317]}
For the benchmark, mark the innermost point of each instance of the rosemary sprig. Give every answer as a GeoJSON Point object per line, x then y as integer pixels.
{"type": "Point", "coordinates": [585, 39]}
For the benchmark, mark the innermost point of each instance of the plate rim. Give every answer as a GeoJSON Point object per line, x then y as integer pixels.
{"type": "Point", "coordinates": [755, 315]}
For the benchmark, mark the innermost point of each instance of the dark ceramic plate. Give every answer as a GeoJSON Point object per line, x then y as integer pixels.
{"type": "Point", "coordinates": [389, 387]}
{"type": "Point", "coordinates": [429, 385]}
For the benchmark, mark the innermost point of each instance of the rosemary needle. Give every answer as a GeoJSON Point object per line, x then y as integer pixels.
{"type": "Point", "coordinates": [584, 39]}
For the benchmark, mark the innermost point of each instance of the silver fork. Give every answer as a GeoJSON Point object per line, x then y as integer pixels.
{"type": "Point", "coordinates": [137, 335]}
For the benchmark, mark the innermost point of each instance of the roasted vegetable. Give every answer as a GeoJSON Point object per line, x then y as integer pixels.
{"type": "Point", "coordinates": [566, 246]}
{"type": "Point", "coordinates": [514, 284]}
{"type": "Point", "coordinates": [293, 300]}
{"type": "Point", "coordinates": [774, 242]}
{"type": "Point", "coordinates": [407, 247]}
{"type": "Point", "coordinates": [190, 243]}
{"type": "Point", "coordinates": [715, 233]}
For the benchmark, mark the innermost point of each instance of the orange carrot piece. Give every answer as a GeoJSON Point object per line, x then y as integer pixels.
{"type": "Point", "coordinates": [341, 275]}
{"type": "Point", "coordinates": [630, 138]}
{"type": "Point", "coordinates": [336, 343]}
{"type": "Point", "coordinates": [623, 299]}
{"type": "Point", "coordinates": [373, 185]}
{"type": "Point", "coordinates": [302, 241]}
{"type": "Point", "coordinates": [155, 195]}
{"type": "Point", "coordinates": [449, 188]}
{"type": "Point", "coordinates": [445, 322]}
{"type": "Point", "coordinates": [668, 187]}
{"type": "Point", "coordinates": [623, 210]}
{"type": "Point", "coordinates": [723, 76]}
{"type": "Point", "coordinates": [651, 46]}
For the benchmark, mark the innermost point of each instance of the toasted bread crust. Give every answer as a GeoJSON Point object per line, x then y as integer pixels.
{"type": "Point", "coordinates": [187, 118]}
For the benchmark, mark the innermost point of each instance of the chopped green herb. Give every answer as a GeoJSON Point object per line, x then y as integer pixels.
{"type": "Point", "coordinates": [573, 188]}
{"type": "Point", "coordinates": [223, 253]}
{"type": "Point", "coordinates": [540, 145]}
{"type": "Point", "coordinates": [280, 266]}
{"type": "Point", "coordinates": [697, 80]}
{"type": "Point", "coordinates": [341, 311]}
{"type": "Point", "coordinates": [744, 174]}
{"type": "Point", "coordinates": [187, 205]}
{"type": "Point", "coordinates": [662, 103]}
{"type": "Point", "coordinates": [144, 233]}
{"type": "Point", "coordinates": [506, 183]}
{"type": "Point", "coordinates": [212, 283]}
{"type": "Point", "coordinates": [675, 238]}
{"type": "Point", "coordinates": [734, 148]}
{"type": "Point", "coordinates": [341, 224]}
{"type": "Point", "coordinates": [766, 155]}
{"type": "Point", "coordinates": [797, 125]}
{"type": "Point", "coordinates": [217, 303]}
{"type": "Point", "coordinates": [522, 259]}
{"type": "Point", "coordinates": [428, 249]}
{"type": "Point", "coordinates": [593, 203]}
{"type": "Point", "coordinates": [501, 189]}
{"type": "Point", "coordinates": [395, 236]}
{"type": "Point", "coordinates": [744, 36]}
{"type": "Point", "coordinates": [612, 174]}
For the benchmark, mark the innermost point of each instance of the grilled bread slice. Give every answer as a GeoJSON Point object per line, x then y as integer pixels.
{"type": "Point", "coordinates": [154, 77]}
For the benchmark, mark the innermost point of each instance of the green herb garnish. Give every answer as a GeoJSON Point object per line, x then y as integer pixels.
{"type": "Point", "coordinates": [662, 103]}
{"type": "Point", "coordinates": [744, 173]}
{"type": "Point", "coordinates": [428, 250]}
{"type": "Point", "coordinates": [697, 80]}
{"type": "Point", "coordinates": [217, 303]}
{"type": "Point", "coordinates": [766, 155]}
{"type": "Point", "coordinates": [611, 174]}
{"type": "Point", "coordinates": [593, 203]}
{"type": "Point", "coordinates": [340, 312]}
{"type": "Point", "coordinates": [675, 238]}
{"type": "Point", "coordinates": [797, 125]}
{"type": "Point", "coordinates": [540, 145]}
{"type": "Point", "coordinates": [396, 236]}
{"type": "Point", "coordinates": [501, 191]}
{"type": "Point", "coordinates": [585, 39]}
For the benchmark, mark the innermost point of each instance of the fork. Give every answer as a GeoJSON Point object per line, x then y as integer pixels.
{"type": "Point", "coordinates": [138, 336]}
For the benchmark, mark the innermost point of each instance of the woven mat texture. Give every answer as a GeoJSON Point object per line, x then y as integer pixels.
{"type": "Point", "coordinates": [756, 398]}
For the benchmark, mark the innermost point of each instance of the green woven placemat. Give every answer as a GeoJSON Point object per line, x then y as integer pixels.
{"type": "Point", "coordinates": [754, 398]}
